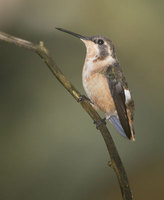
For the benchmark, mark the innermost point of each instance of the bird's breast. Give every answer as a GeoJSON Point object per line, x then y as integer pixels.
{"type": "Point", "coordinates": [97, 89]}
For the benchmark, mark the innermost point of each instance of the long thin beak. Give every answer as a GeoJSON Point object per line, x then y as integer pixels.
{"type": "Point", "coordinates": [74, 34]}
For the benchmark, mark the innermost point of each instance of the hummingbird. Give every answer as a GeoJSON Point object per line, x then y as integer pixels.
{"type": "Point", "coordinates": [105, 84]}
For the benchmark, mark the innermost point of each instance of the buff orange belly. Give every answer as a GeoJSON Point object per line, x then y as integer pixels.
{"type": "Point", "coordinates": [97, 89]}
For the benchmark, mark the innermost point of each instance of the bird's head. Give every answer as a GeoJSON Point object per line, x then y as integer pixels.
{"type": "Point", "coordinates": [99, 49]}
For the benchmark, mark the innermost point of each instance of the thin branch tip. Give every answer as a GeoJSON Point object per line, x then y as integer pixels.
{"type": "Point", "coordinates": [41, 43]}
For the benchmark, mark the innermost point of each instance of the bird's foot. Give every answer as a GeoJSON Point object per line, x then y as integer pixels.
{"type": "Point", "coordinates": [82, 98]}
{"type": "Point", "coordinates": [99, 122]}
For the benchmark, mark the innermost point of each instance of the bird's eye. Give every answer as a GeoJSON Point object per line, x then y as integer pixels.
{"type": "Point", "coordinates": [100, 42]}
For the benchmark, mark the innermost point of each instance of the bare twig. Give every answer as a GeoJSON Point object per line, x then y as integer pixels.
{"type": "Point", "coordinates": [115, 162]}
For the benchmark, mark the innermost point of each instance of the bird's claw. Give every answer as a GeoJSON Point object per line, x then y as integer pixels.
{"type": "Point", "coordinates": [99, 122]}
{"type": "Point", "coordinates": [82, 98]}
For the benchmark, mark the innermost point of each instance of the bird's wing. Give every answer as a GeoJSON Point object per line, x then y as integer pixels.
{"type": "Point", "coordinates": [119, 98]}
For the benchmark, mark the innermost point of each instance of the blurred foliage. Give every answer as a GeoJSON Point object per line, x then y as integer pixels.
{"type": "Point", "coordinates": [49, 147]}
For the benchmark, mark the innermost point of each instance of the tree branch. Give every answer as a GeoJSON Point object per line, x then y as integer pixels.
{"type": "Point", "coordinates": [116, 162]}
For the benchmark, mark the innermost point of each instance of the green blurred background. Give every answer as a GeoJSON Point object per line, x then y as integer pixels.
{"type": "Point", "coordinates": [49, 147]}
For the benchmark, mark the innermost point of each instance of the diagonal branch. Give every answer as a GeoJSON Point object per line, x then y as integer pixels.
{"type": "Point", "coordinates": [116, 162]}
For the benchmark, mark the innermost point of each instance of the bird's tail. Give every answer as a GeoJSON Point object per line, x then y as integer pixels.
{"type": "Point", "coordinates": [116, 123]}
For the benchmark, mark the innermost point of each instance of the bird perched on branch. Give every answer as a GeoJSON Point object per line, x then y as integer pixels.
{"type": "Point", "coordinates": [105, 84]}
